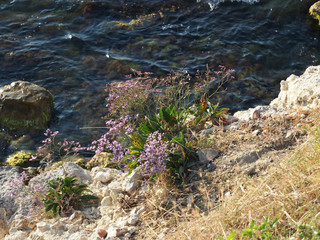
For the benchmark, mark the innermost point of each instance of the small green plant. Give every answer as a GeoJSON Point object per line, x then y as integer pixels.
{"type": "Point", "coordinates": [230, 237]}
{"type": "Point", "coordinates": [264, 231]}
{"type": "Point", "coordinates": [65, 194]}
{"type": "Point", "coordinates": [308, 232]}
{"type": "Point", "coordinates": [205, 111]}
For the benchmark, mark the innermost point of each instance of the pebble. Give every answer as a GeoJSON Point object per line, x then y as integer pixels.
{"type": "Point", "coordinates": [106, 201]}
{"type": "Point", "coordinates": [43, 226]}
{"type": "Point", "coordinates": [234, 126]}
{"type": "Point", "coordinates": [289, 134]}
{"type": "Point", "coordinates": [256, 132]}
{"type": "Point", "coordinates": [250, 170]}
{"type": "Point", "coordinates": [255, 114]}
{"type": "Point", "coordinates": [102, 233]}
{"type": "Point", "coordinates": [227, 194]}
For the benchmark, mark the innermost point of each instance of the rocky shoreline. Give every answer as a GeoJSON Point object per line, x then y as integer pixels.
{"type": "Point", "coordinates": [119, 213]}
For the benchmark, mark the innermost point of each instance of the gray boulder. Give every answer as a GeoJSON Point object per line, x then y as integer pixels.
{"type": "Point", "coordinates": [25, 106]}
{"type": "Point", "coordinates": [6, 174]}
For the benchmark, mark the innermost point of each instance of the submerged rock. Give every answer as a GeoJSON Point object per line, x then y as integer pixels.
{"type": "Point", "coordinates": [24, 142]}
{"type": "Point", "coordinates": [4, 143]}
{"type": "Point", "coordinates": [25, 106]}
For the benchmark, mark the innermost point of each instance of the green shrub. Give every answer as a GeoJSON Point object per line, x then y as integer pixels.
{"type": "Point", "coordinates": [169, 123]}
{"type": "Point", "coordinates": [65, 194]}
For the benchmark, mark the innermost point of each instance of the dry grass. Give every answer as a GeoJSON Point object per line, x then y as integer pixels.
{"type": "Point", "coordinates": [289, 190]}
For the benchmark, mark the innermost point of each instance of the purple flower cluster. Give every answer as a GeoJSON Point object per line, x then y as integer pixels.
{"type": "Point", "coordinates": [126, 98]}
{"type": "Point", "coordinates": [121, 125]}
{"type": "Point", "coordinates": [35, 195]}
{"type": "Point", "coordinates": [51, 147]}
{"type": "Point", "coordinates": [155, 155]}
{"type": "Point", "coordinates": [104, 144]}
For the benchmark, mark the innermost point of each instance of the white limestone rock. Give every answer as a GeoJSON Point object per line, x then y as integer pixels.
{"type": "Point", "coordinates": [114, 232]}
{"type": "Point", "coordinates": [22, 223]}
{"type": "Point", "coordinates": [19, 235]}
{"type": "Point", "coordinates": [303, 91]}
{"type": "Point", "coordinates": [58, 228]}
{"type": "Point", "coordinates": [115, 187]}
{"type": "Point", "coordinates": [106, 176]}
{"type": "Point", "coordinates": [43, 226]}
{"type": "Point", "coordinates": [77, 217]}
{"type": "Point", "coordinates": [106, 201]}
{"type": "Point", "coordinates": [81, 235]}
{"type": "Point", "coordinates": [71, 168]}
{"type": "Point", "coordinates": [295, 92]}
{"type": "Point", "coordinates": [133, 219]}
{"type": "Point", "coordinates": [96, 170]}
{"type": "Point", "coordinates": [132, 181]}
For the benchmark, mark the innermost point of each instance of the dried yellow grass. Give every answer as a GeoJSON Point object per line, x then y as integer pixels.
{"type": "Point", "coordinates": [289, 190]}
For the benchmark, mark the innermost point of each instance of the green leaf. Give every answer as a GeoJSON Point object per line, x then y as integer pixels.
{"type": "Point", "coordinates": [231, 236]}
{"type": "Point", "coordinates": [273, 223]}
{"type": "Point", "coordinates": [49, 206]}
{"type": "Point", "coordinates": [88, 197]}
{"type": "Point", "coordinates": [181, 171]}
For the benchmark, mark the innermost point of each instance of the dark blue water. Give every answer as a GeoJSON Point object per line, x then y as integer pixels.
{"type": "Point", "coordinates": [73, 48]}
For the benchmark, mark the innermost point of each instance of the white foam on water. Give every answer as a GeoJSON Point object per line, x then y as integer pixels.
{"type": "Point", "coordinates": [215, 3]}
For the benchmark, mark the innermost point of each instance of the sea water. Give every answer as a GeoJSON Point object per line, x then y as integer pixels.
{"type": "Point", "coordinates": [73, 48]}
